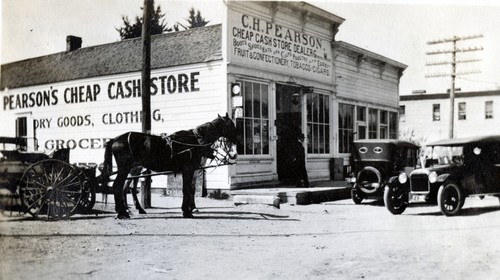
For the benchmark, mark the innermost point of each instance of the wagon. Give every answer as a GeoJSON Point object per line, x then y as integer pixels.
{"type": "Point", "coordinates": [46, 186]}
{"type": "Point", "coordinates": [49, 187]}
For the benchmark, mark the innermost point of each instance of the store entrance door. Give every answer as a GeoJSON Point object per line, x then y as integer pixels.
{"type": "Point", "coordinates": [290, 152]}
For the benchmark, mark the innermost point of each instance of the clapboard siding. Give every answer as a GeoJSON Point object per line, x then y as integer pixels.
{"type": "Point", "coordinates": [360, 77]}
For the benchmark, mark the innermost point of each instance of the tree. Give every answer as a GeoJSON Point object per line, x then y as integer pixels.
{"type": "Point", "coordinates": [195, 20]}
{"type": "Point", "coordinates": [134, 30]}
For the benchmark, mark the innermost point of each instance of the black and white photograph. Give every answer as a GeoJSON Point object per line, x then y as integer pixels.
{"type": "Point", "coordinates": [228, 139]}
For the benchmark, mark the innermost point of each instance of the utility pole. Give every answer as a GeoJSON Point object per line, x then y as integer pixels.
{"type": "Point", "coordinates": [146, 89]}
{"type": "Point", "coordinates": [453, 62]}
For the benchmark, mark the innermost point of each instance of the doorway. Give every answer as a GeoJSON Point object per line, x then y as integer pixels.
{"type": "Point", "coordinates": [290, 152]}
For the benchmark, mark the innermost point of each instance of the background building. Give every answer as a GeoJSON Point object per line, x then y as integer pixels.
{"type": "Point", "coordinates": [425, 117]}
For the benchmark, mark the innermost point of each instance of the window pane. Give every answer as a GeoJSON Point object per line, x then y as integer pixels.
{"type": "Point", "coordinates": [326, 105]}
{"type": "Point", "coordinates": [241, 131]}
{"type": "Point", "coordinates": [256, 100]}
{"type": "Point", "coordinates": [247, 92]}
{"type": "Point", "coordinates": [309, 107]}
{"type": "Point", "coordinates": [361, 132]}
{"type": "Point", "coordinates": [383, 132]}
{"type": "Point", "coordinates": [265, 137]}
{"type": "Point", "coordinates": [361, 114]}
{"type": "Point", "coordinates": [383, 117]}
{"type": "Point", "coordinates": [436, 112]}
{"type": "Point", "coordinates": [264, 94]}
{"type": "Point", "coordinates": [321, 139]}
{"type": "Point", "coordinates": [257, 137]}
{"type": "Point", "coordinates": [315, 107]}
{"type": "Point", "coordinates": [393, 125]}
{"type": "Point", "coordinates": [372, 125]}
{"type": "Point", "coordinates": [327, 139]}
{"type": "Point", "coordinates": [402, 112]}
{"type": "Point", "coordinates": [321, 109]}
{"type": "Point", "coordinates": [248, 137]}
{"type": "Point", "coordinates": [461, 111]}
{"type": "Point", "coordinates": [488, 109]}
{"type": "Point", "coordinates": [315, 138]}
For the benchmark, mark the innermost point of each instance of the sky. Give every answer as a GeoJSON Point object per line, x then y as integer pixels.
{"type": "Point", "coordinates": [396, 29]}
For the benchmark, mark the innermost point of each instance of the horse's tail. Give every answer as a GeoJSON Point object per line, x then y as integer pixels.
{"type": "Point", "coordinates": [107, 167]}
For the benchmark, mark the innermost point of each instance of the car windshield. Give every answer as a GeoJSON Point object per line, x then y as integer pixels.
{"type": "Point", "coordinates": [443, 155]}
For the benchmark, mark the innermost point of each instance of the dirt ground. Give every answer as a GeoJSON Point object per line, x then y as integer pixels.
{"type": "Point", "coordinates": [333, 240]}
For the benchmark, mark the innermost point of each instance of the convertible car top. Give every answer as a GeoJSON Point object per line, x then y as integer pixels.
{"type": "Point", "coordinates": [462, 141]}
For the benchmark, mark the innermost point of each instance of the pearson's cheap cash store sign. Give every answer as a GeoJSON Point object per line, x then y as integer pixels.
{"type": "Point", "coordinates": [84, 115]}
{"type": "Point", "coordinates": [261, 44]}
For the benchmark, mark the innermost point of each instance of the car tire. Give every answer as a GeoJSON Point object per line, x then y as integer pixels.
{"type": "Point", "coordinates": [356, 195]}
{"type": "Point", "coordinates": [450, 199]}
{"type": "Point", "coordinates": [394, 199]}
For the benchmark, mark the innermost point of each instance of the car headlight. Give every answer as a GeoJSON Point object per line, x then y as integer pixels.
{"type": "Point", "coordinates": [402, 178]}
{"type": "Point", "coordinates": [433, 177]}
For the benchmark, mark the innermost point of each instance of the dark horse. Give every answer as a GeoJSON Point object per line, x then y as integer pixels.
{"type": "Point", "coordinates": [183, 152]}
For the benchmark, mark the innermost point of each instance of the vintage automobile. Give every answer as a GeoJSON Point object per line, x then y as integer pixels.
{"type": "Point", "coordinates": [453, 170]}
{"type": "Point", "coordinates": [377, 162]}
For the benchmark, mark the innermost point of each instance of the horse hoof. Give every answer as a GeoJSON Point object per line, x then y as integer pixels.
{"type": "Point", "coordinates": [188, 215]}
{"type": "Point", "coordinates": [122, 216]}
{"type": "Point", "coordinates": [195, 210]}
{"type": "Point", "coordinates": [142, 211]}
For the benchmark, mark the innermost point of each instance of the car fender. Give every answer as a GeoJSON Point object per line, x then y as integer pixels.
{"type": "Point", "coordinates": [441, 178]}
{"type": "Point", "coordinates": [392, 179]}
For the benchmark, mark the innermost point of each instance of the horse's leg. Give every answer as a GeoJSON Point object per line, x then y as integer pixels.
{"type": "Point", "coordinates": [126, 190]}
{"type": "Point", "coordinates": [136, 200]}
{"type": "Point", "coordinates": [187, 180]}
{"type": "Point", "coordinates": [120, 206]}
{"type": "Point", "coordinates": [193, 191]}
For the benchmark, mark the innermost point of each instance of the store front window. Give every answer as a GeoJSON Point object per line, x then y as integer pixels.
{"type": "Point", "coordinates": [254, 125]}
{"type": "Point", "coordinates": [360, 121]}
{"type": "Point", "coordinates": [346, 127]}
{"type": "Point", "coordinates": [318, 123]}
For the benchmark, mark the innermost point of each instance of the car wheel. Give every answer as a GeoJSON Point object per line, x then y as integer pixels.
{"type": "Point", "coordinates": [450, 199]}
{"type": "Point", "coordinates": [356, 195]}
{"type": "Point", "coordinates": [395, 199]}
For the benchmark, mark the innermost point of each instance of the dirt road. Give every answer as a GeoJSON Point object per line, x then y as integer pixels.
{"type": "Point", "coordinates": [335, 240]}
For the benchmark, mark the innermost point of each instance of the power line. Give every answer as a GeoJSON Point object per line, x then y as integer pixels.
{"type": "Point", "coordinates": [453, 61]}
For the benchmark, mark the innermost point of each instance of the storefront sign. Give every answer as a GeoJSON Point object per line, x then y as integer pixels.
{"type": "Point", "coordinates": [160, 85]}
{"type": "Point", "coordinates": [263, 44]}
{"type": "Point", "coordinates": [82, 115]}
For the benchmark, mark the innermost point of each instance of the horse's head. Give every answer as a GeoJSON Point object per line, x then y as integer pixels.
{"type": "Point", "coordinates": [228, 130]}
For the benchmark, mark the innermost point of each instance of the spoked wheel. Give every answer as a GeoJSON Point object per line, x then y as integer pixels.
{"type": "Point", "coordinates": [51, 189]}
{"type": "Point", "coordinates": [395, 199]}
{"type": "Point", "coordinates": [11, 204]}
{"type": "Point", "coordinates": [450, 199]}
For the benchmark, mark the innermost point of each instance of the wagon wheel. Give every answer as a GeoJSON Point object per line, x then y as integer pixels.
{"type": "Point", "coordinates": [51, 189]}
{"type": "Point", "coordinates": [450, 199]}
{"type": "Point", "coordinates": [13, 206]}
